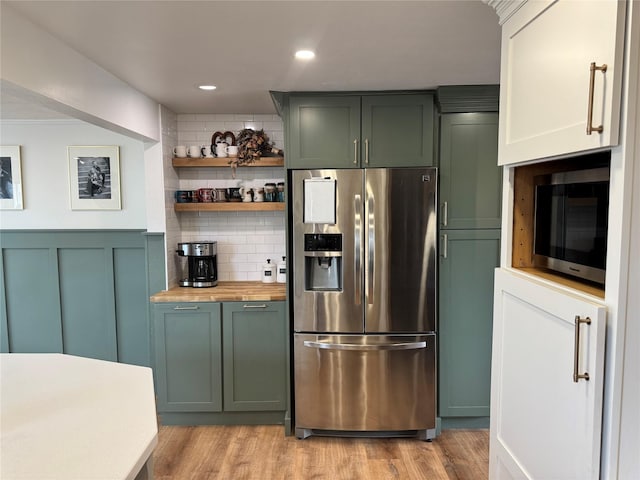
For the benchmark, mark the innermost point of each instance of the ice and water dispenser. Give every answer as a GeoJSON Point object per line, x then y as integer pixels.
{"type": "Point", "coordinates": [323, 261]}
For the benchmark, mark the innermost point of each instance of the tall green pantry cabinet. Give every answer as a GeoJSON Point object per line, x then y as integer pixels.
{"type": "Point", "coordinates": [470, 198]}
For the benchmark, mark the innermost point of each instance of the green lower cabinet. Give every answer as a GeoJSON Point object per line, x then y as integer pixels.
{"type": "Point", "coordinates": [221, 363]}
{"type": "Point", "coordinates": [188, 357]}
{"type": "Point", "coordinates": [254, 348]}
{"type": "Point", "coordinates": [467, 262]}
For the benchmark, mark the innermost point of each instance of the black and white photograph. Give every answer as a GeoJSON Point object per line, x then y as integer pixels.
{"type": "Point", "coordinates": [94, 177]}
{"type": "Point", "coordinates": [10, 178]}
{"type": "Point", "coordinates": [6, 181]}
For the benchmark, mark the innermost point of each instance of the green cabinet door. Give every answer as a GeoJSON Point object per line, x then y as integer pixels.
{"type": "Point", "coordinates": [254, 346]}
{"type": "Point", "coordinates": [397, 130]}
{"type": "Point", "coordinates": [188, 358]}
{"type": "Point", "coordinates": [324, 132]}
{"type": "Point", "coordinates": [467, 262]}
{"type": "Point", "coordinates": [470, 180]}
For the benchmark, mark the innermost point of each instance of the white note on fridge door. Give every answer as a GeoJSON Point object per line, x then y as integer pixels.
{"type": "Point", "coordinates": [320, 200]}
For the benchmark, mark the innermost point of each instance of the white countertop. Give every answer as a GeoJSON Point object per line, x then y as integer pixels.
{"type": "Point", "coordinates": [67, 417]}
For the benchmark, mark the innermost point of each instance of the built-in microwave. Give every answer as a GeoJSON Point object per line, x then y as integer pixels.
{"type": "Point", "coordinates": [570, 222]}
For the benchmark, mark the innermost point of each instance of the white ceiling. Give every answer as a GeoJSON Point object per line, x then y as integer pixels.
{"type": "Point", "coordinates": [166, 48]}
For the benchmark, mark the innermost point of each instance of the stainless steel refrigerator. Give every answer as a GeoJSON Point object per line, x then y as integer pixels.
{"type": "Point", "coordinates": [364, 301]}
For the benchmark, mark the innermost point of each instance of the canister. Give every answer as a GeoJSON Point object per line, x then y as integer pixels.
{"type": "Point", "coordinates": [281, 276]}
{"type": "Point", "coordinates": [268, 272]}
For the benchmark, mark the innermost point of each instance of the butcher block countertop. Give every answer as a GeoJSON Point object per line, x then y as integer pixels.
{"type": "Point", "coordinates": [224, 292]}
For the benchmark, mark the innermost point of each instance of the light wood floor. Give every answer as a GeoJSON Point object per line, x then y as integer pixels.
{"type": "Point", "coordinates": [264, 453]}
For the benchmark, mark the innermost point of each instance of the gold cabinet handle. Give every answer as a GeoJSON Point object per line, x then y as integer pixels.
{"type": "Point", "coordinates": [592, 79]}
{"type": "Point", "coordinates": [576, 353]}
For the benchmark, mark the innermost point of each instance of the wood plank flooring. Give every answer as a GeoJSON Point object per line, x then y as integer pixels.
{"type": "Point", "coordinates": [264, 453]}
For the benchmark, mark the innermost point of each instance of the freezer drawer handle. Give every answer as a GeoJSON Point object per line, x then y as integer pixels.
{"type": "Point", "coordinates": [577, 321]}
{"type": "Point", "coordinates": [359, 347]}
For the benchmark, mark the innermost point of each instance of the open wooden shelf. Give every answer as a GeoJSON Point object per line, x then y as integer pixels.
{"type": "Point", "coordinates": [224, 162]}
{"type": "Point", "coordinates": [230, 207]}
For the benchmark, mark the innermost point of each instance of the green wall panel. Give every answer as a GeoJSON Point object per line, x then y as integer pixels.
{"type": "Point", "coordinates": [88, 324]}
{"type": "Point", "coordinates": [131, 314]}
{"type": "Point", "coordinates": [83, 292]}
{"type": "Point", "coordinates": [33, 320]}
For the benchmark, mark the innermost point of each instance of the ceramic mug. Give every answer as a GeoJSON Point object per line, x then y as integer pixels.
{"type": "Point", "coordinates": [221, 150]}
{"type": "Point", "coordinates": [233, 195]}
{"type": "Point", "coordinates": [232, 150]}
{"type": "Point", "coordinates": [246, 194]}
{"type": "Point", "coordinates": [205, 151]}
{"type": "Point", "coordinates": [184, 196]}
{"type": "Point", "coordinates": [180, 151]}
{"type": "Point", "coordinates": [194, 151]}
{"type": "Point", "coordinates": [205, 195]}
{"type": "Point", "coordinates": [258, 195]}
{"type": "Point", "coordinates": [221, 195]}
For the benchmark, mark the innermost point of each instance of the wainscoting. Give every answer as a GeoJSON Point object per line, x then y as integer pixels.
{"type": "Point", "coordinates": [83, 293]}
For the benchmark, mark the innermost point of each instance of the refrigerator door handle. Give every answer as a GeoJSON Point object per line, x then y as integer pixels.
{"type": "Point", "coordinates": [357, 206]}
{"type": "Point", "coordinates": [371, 248]}
{"type": "Point", "coordinates": [360, 347]}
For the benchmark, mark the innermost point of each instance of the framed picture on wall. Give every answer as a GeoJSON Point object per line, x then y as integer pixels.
{"type": "Point", "coordinates": [94, 177]}
{"type": "Point", "coordinates": [10, 178]}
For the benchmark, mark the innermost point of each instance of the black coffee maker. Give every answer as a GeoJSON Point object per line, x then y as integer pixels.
{"type": "Point", "coordinates": [201, 262]}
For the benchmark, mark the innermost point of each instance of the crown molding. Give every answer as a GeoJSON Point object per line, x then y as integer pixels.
{"type": "Point", "coordinates": [505, 8]}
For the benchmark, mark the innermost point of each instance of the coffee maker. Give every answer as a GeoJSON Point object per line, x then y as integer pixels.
{"type": "Point", "coordinates": [202, 267]}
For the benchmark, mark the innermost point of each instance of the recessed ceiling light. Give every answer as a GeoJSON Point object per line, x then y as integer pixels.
{"type": "Point", "coordinates": [207, 87]}
{"type": "Point", "coordinates": [305, 54]}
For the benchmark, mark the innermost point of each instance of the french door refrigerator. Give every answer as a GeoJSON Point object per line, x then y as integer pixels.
{"type": "Point", "coordinates": [364, 301]}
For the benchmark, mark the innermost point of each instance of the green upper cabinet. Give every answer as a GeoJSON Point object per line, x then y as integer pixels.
{"type": "Point", "coordinates": [355, 131]}
{"type": "Point", "coordinates": [324, 132]}
{"type": "Point", "coordinates": [470, 180]}
{"type": "Point", "coordinates": [397, 130]}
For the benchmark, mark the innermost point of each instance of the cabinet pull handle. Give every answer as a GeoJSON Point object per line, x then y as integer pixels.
{"type": "Point", "coordinates": [576, 353]}
{"type": "Point", "coordinates": [366, 151]}
{"type": "Point", "coordinates": [255, 306]}
{"type": "Point", "coordinates": [445, 245]}
{"type": "Point", "coordinates": [445, 213]}
{"type": "Point", "coordinates": [592, 78]}
{"type": "Point", "coordinates": [195, 307]}
{"type": "Point", "coordinates": [355, 151]}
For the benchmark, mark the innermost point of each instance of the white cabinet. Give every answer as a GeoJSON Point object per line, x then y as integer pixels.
{"type": "Point", "coordinates": [544, 424]}
{"type": "Point", "coordinates": [547, 50]}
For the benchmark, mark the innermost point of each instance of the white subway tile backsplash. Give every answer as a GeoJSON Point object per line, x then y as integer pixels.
{"type": "Point", "coordinates": [245, 239]}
